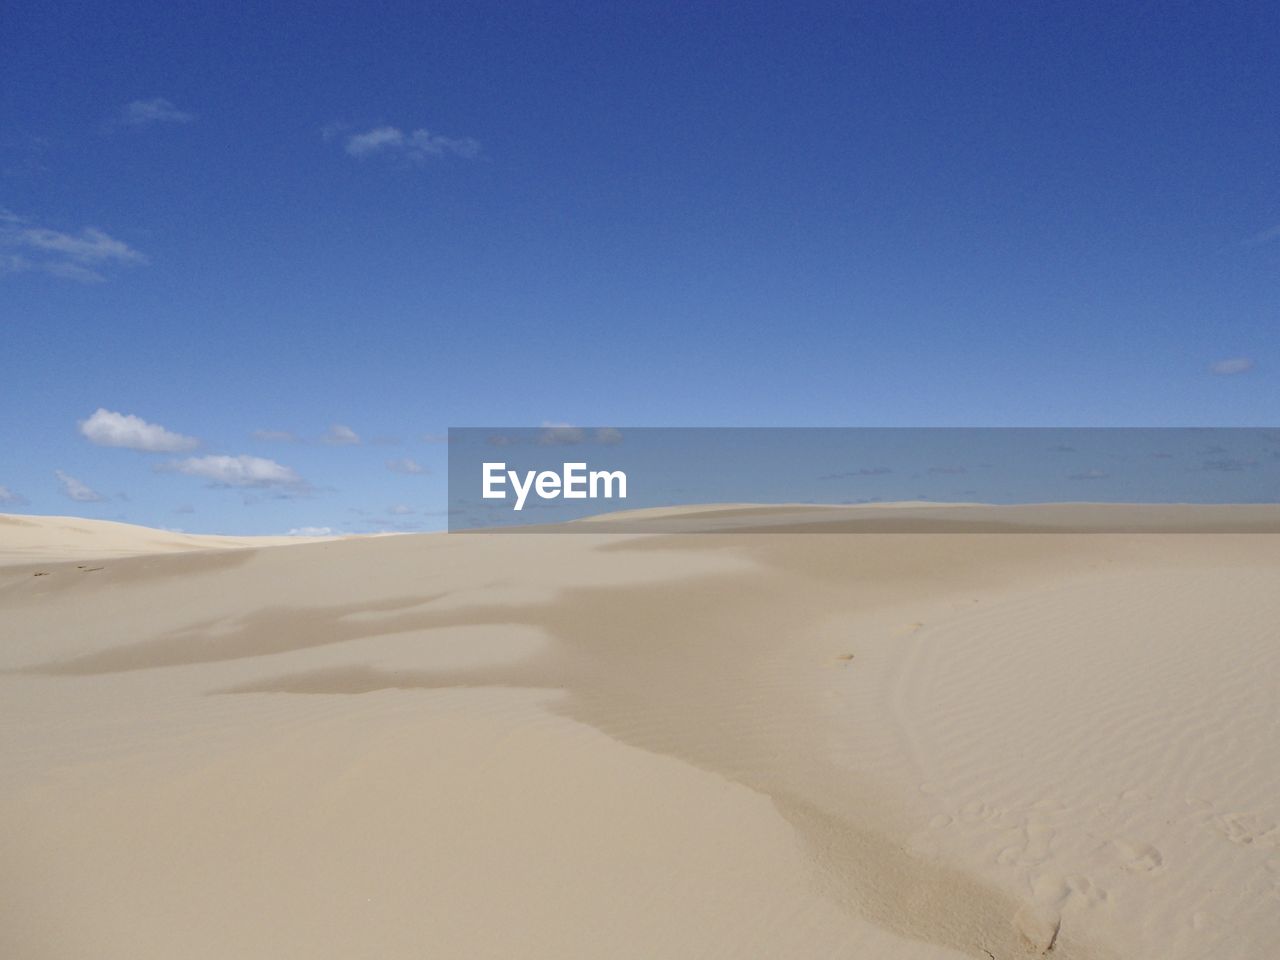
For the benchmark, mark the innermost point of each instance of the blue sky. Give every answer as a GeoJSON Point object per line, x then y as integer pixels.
{"type": "Point", "coordinates": [400, 218]}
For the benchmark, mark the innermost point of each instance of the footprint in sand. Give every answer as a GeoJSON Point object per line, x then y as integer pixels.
{"type": "Point", "coordinates": [1137, 856]}
{"type": "Point", "coordinates": [1087, 890]}
{"type": "Point", "coordinates": [1248, 830]}
{"type": "Point", "coordinates": [1039, 925]}
{"type": "Point", "coordinates": [1029, 844]}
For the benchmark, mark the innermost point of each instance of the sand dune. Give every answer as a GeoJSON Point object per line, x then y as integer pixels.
{"type": "Point", "coordinates": [951, 743]}
{"type": "Point", "coordinates": [24, 539]}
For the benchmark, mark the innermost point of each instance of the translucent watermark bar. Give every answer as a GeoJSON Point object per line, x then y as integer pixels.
{"type": "Point", "coordinates": [827, 479]}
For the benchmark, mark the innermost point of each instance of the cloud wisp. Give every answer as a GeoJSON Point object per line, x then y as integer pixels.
{"type": "Point", "coordinates": [417, 146]}
{"type": "Point", "coordinates": [106, 428]}
{"type": "Point", "coordinates": [340, 435]}
{"type": "Point", "coordinates": [11, 497]}
{"type": "Point", "coordinates": [139, 113]}
{"type": "Point", "coordinates": [337, 435]}
{"type": "Point", "coordinates": [28, 248]}
{"type": "Point", "coordinates": [860, 472]}
{"type": "Point", "coordinates": [1264, 237]}
{"type": "Point", "coordinates": [73, 489]}
{"type": "Point", "coordinates": [406, 465]}
{"type": "Point", "coordinates": [1231, 366]}
{"type": "Point", "coordinates": [275, 436]}
{"type": "Point", "coordinates": [243, 471]}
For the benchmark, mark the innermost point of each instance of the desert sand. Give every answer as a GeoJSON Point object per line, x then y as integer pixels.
{"type": "Point", "coordinates": [977, 738]}
{"type": "Point", "coordinates": [75, 538]}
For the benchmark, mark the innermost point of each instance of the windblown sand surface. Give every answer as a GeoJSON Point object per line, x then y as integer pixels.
{"type": "Point", "coordinates": [74, 538]}
{"type": "Point", "coordinates": [853, 744]}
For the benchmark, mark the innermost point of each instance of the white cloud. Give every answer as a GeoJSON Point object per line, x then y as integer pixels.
{"type": "Point", "coordinates": [400, 510]}
{"type": "Point", "coordinates": [341, 436]}
{"type": "Point", "coordinates": [74, 489]}
{"type": "Point", "coordinates": [1231, 366]}
{"type": "Point", "coordinates": [25, 247]}
{"type": "Point", "coordinates": [416, 145]}
{"type": "Point", "coordinates": [560, 433]}
{"type": "Point", "coordinates": [310, 532]}
{"type": "Point", "coordinates": [565, 434]}
{"type": "Point", "coordinates": [155, 110]}
{"type": "Point", "coordinates": [241, 471]}
{"type": "Point", "coordinates": [405, 465]}
{"type": "Point", "coordinates": [379, 138]}
{"type": "Point", "coordinates": [8, 496]}
{"type": "Point", "coordinates": [107, 428]}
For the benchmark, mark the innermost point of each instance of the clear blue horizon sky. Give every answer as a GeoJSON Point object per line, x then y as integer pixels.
{"type": "Point", "coordinates": [396, 218]}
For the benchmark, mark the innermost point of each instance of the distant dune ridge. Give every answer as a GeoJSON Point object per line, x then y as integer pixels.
{"type": "Point", "coordinates": [68, 538]}
{"type": "Point", "coordinates": [927, 732]}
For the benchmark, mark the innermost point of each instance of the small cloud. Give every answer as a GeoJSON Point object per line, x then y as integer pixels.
{"type": "Point", "coordinates": [184, 508]}
{"type": "Point", "coordinates": [156, 110]}
{"type": "Point", "coordinates": [434, 438]}
{"type": "Point", "coordinates": [75, 490]}
{"type": "Point", "coordinates": [1229, 464]}
{"type": "Point", "coordinates": [371, 141]}
{"type": "Point", "coordinates": [1062, 448]}
{"type": "Point", "coordinates": [400, 510]}
{"type": "Point", "coordinates": [948, 470]}
{"type": "Point", "coordinates": [241, 471]}
{"type": "Point", "coordinates": [860, 472]}
{"type": "Point", "coordinates": [558, 434]}
{"type": "Point", "coordinates": [310, 532]}
{"type": "Point", "coordinates": [275, 436]}
{"type": "Point", "coordinates": [28, 248]}
{"type": "Point", "coordinates": [107, 428]}
{"type": "Point", "coordinates": [405, 465]}
{"type": "Point", "coordinates": [1231, 366]}
{"type": "Point", "coordinates": [415, 145]}
{"type": "Point", "coordinates": [341, 436]}
{"type": "Point", "coordinates": [11, 498]}
{"type": "Point", "coordinates": [565, 434]}
{"type": "Point", "coordinates": [1089, 475]}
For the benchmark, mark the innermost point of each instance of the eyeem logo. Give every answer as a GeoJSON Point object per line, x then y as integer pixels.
{"type": "Point", "coordinates": [573, 482]}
